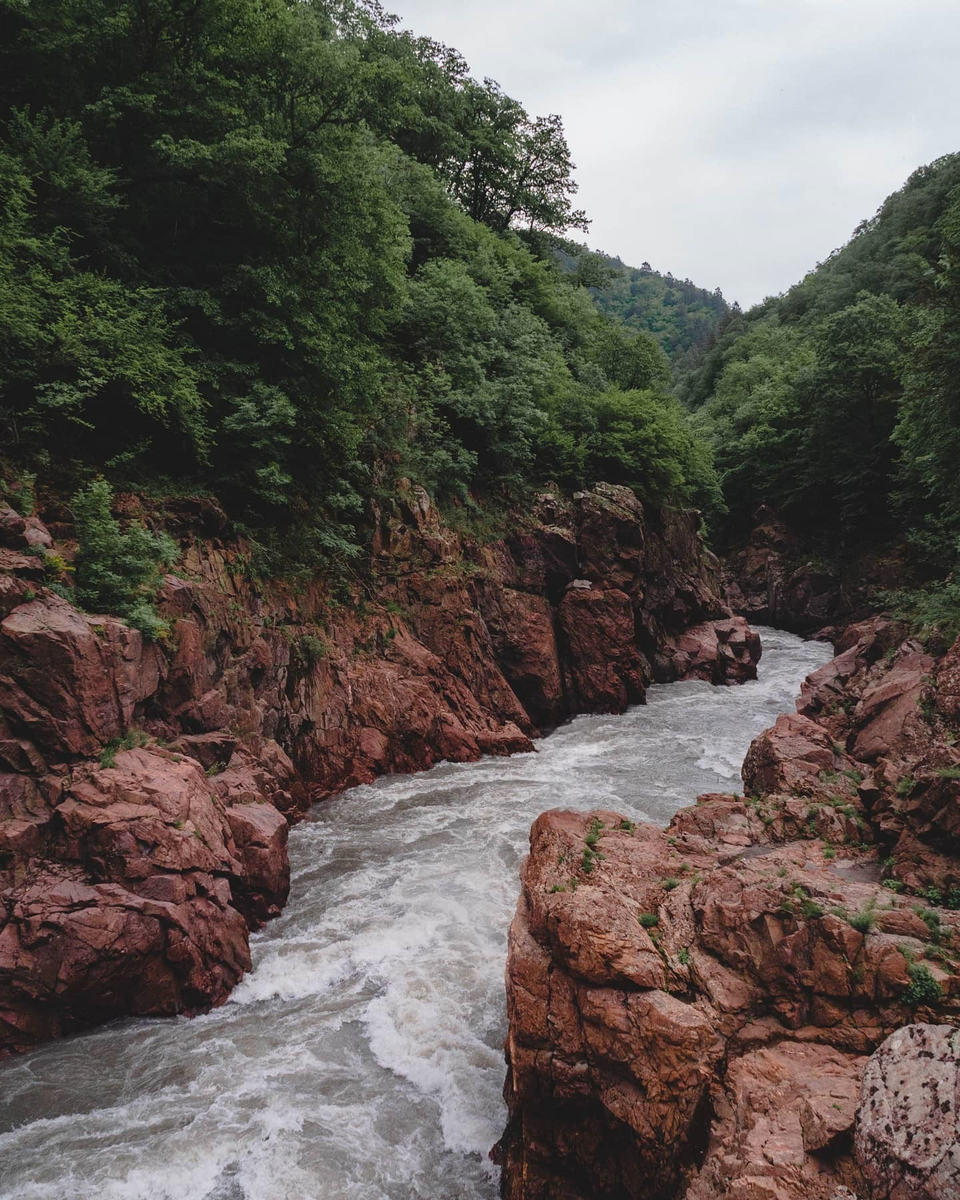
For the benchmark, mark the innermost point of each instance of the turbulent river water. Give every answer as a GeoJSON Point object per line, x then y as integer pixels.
{"type": "Point", "coordinates": [361, 1058]}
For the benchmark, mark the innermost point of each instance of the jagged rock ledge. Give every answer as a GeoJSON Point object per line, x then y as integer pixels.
{"type": "Point", "coordinates": [727, 1007]}
{"type": "Point", "coordinates": [146, 789]}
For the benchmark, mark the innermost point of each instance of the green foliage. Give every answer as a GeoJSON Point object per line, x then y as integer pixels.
{"type": "Point", "coordinates": [286, 252]}
{"type": "Point", "coordinates": [923, 988]}
{"type": "Point", "coordinates": [132, 739]}
{"type": "Point", "coordinates": [118, 571]}
{"type": "Point", "coordinates": [863, 921]}
{"type": "Point", "coordinates": [683, 956]}
{"type": "Point", "coordinates": [837, 403]}
{"type": "Point", "coordinates": [682, 317]}
{"type": "Point", "coordinates": [19, 493]}
{"type": "Point", "coordinates": [649, 920]}
{"type": "Point", "coordinates": [930, 609]}
{"type": "Point", "coordinates": [309, 649]}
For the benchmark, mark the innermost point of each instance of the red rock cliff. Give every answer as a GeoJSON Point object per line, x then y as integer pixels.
{"type": "Point", "coordinates": [726, 1008]}
{"type": "Point", "coordinates": [146, 789]}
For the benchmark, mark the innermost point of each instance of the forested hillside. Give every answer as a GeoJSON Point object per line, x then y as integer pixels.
{"type": "Point", "coordinates": [839, 402]}
{"type": "Point", "coordinates": [286, 252]}
{"type": "Point", "coordinates": [682, 317]}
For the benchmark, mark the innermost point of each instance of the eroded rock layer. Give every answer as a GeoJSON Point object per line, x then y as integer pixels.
{"type": "Point", "coordinates": [728, 1007]}
{"type": "Point", "coordinates": [146, 788]}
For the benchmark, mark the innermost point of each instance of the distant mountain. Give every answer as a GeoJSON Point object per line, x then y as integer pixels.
{"type": "Point", "coordinates": [682, 317]}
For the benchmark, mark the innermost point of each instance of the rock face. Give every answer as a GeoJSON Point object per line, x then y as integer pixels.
{"type": "Point", "coordinates": [773, 580]}
{"type": "Point", "coordinates": [723, 1008]}
{"type": "Point", "coordinates": [146, 789]}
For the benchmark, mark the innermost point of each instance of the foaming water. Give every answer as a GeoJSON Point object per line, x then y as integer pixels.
{"type": "Point", "coordinates": [361, 1058]}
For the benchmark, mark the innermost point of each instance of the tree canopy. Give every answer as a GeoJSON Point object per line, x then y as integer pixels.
{"type": "Point", "coordinates": [839, 401]}
{"type": "Point", "coordinates": [285, 251]}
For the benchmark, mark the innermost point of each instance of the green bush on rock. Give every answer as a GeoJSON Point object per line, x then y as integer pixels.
{"type": "Point", "coordinates": [118, 571]}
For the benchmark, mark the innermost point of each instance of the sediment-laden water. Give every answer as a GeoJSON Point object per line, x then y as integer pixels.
{"type": "Point", "coordinates": [361, 1059]}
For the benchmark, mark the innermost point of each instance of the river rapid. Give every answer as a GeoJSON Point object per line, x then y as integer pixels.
{"type": "Point", "coordinates": [361, 1058]}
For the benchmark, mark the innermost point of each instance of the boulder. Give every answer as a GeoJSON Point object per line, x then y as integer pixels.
{"type": "Point", "coordinates": [790, 757]}
{"type": "Point", "coordinates": [724, 651]}
{"type": "Point", "coordinates": [907, 1140]}
{"type": "Point", "coordinates": [75, 953]}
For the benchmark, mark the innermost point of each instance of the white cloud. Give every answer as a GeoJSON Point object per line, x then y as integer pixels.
{"type": "Point", "coordinates": [736, 142]}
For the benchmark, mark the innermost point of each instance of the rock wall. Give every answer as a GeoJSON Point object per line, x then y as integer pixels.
{"type": "Point", "coordinates": [727, 1007]}
{"type": "Point", "coordinates": [146, 789]}
{"type": "Point", "coordinates": [774, 580]}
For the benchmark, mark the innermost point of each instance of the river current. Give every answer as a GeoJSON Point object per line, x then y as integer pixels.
{"type": "Point", "coordinates": [361, 1058]}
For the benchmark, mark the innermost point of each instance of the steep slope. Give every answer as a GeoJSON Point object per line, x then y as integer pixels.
{"type": "Point", "coordinates": [683, 319]}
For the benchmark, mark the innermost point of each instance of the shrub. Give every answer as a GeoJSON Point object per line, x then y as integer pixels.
{"type": "Point", "coordinates": [131, 739]}
{"type": "Point", "coordinates": [310, 649]}
{"type": "Point", "coordinates": [923, 988]}
{"type": "Point", "coordinates": [811, 910]}
{"type": "Point", "coordinates": [20, 494]}
{"type": "Point", "coordinates": [649, 920]}
{"type": "Point", "coordinates": [118, 571]}
{"type": "Point", "coordinates": [862, 921]}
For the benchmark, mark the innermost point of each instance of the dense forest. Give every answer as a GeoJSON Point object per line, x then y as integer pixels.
{"type": "Point", "coordinates": [683, 318]}
{"type": "Point", "coordinates": [838, 403]}
{"type": "Point", "coordinates": [286, 252]}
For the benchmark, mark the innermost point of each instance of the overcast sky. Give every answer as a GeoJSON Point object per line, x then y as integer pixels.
{"type": "Point", "coordinates": [736, 142]}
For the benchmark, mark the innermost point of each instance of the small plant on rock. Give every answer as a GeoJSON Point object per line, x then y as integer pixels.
{"type": "Point", "coordinates": [923, 989]}
{"type": "Point", "coordinates": [132, 739]}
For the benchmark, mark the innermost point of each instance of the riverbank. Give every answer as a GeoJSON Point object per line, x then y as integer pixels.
{"type": "Point", "coordinates": [693, 1010]}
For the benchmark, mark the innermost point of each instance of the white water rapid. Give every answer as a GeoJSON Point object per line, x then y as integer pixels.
{"type": "Point", "coordinates": [361, 1058]}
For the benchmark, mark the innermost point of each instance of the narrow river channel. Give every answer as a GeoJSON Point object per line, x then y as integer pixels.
{"type": "Point", "coordinates": [361, 1058]}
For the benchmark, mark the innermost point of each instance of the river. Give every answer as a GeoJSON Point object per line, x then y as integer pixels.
{"type": "Point", "coordinates": [361, 1058]}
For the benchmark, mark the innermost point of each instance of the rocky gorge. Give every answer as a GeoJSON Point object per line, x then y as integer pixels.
{"type": "Point", "coordinates": [760, 999]}
{"type": "Point", "coordinates": [147, 788]}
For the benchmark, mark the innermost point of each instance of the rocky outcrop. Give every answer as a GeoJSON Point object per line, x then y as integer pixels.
{"type": "Point", "coordinates": [724, 1008]}
{"type": "Point", "coordinates": [146, 788]}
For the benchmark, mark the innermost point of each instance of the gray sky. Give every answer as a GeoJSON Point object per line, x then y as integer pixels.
{"type": "Point", "coordinates": [736, 142]}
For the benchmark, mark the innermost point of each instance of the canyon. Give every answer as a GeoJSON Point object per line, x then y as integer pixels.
{"type": "Point", "coordinates": [148, 787]}
{"type": "Point", "coordinates": [731, 1003]}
